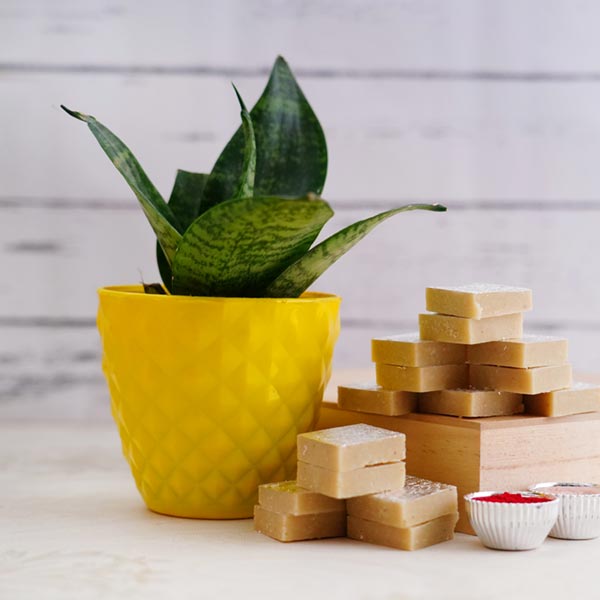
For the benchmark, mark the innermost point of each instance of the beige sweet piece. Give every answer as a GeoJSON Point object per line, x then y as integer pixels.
{"type": "Point", "coordinates": [420, 500]}
{"type": "Point", "coordinates": [529, 351]}
{"type": "Point", "coordinates": [521, 381]}
{"type": "Point", "coordinates": [478, 300]}
{"type": "Point", "coordinates": [409, 350]}
{"type": "Point", "coordinates": [348, 484]}
{"type": "Point", "coordinates": [471, 403]}
{"type": "Point", "coordinates": [289, 498]}
{"type": "Point", "coordinates": [403, 538]}
{"type": "Point", "coordinates": [421, 379]}
{"type": "Point", "coordinates": [372, 398]}
{"type": "Point", "coordinates": [459, 330]}
{"type": "Point", "coordinates": [351, 447]}
{"type": "Point", "coordinates": [580, 398]}
{"type": "Point", "coordinates": [294, 528]}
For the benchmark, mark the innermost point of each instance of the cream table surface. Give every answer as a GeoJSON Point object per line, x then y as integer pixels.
{"type": "Point", "coordinates": [73, 526]}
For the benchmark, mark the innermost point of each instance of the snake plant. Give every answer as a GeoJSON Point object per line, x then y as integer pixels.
{"type": "Point", "coordinates": [247, 228]}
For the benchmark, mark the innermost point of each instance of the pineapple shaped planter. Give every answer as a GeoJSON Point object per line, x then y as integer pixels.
{"type": "Point", "coordinates": [214, 373]}
{"type": "Point", "coordinates": [209, 394]}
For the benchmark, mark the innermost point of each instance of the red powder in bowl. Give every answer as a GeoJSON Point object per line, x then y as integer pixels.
{"type": "Point", "coordinates": [512, 498]}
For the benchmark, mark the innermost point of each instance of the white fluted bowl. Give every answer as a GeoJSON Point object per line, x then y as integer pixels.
{"type": "Point", "coordinates": [579, 514]}
{"type": "Point", "coordinates": [511, 526]}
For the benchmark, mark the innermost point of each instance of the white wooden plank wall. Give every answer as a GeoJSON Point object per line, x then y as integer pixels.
{"type": "Point", "coordinates": [490, 107]}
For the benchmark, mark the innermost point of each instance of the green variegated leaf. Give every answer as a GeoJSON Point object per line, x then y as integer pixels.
{"type": "Point", "coordinates": [185, 205]}
{"type": "Point", "coordinates": [238, 247]}
{"type": "Point", "coordinates": [246, 229]}
{"type": "Point", "coordinates": [290, 144]}
{"type": "Point", "coordinates": [246, 185]}
{"type": "Point", "coordinates": [157, 211]}
{"type": "Point", "coordinates": [301, 274]}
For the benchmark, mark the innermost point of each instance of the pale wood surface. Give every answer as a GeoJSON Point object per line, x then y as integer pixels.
{"type": "Point", "coordinates": [74, 527]}
{"type": "Point", "coordinates": [389, 141]}
{"type": "Point", "coordinates": [469, 37]}
{"type": "Point", "coordinates": [489, 107]}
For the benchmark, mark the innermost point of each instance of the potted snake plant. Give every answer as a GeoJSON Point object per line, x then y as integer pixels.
{"type": "Point", "coordinates": [214, 372]}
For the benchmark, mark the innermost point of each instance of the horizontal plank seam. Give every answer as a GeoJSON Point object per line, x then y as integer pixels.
{"type": "Point", "coordinates": [47, 322]}
{"type": "Point", "coordinates": [558, 205]}
{"type": "Point", "coordinates": [59, 378]}
{"type": "Point", "coordinates": [192, 70]}
{"type": "Point", "coordinates": [541, 326]}
{"type": "Point", "coordinates": [525, 465]}
{"type": "Point", "coordinates": [350, 323]}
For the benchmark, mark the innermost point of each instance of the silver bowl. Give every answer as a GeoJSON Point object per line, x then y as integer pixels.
{"type": "Point", "coordinates": [579, 514]}
{"type": "Point", "coordinates": [511, 526]}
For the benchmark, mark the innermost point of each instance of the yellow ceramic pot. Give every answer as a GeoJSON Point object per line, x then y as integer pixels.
{"type": "Point", "coordinates": [209, 394]}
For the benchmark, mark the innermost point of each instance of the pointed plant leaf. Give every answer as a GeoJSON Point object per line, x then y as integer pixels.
{"type": "Point", "coordinates": [186, 195]}
{"type": "Point", "coordinates": [238, 247]}
{"type": "Point", "coordinates": [157, 211]}
{"type": "Point", "coordinates": [246, 184]}
{"type": "Point", "coordinates": [301, 274]}
{"type": "Point", "coordinates": [185, 204]}
{"type": "Point", "coordinates": [154, 288]}
{"type": "Point", "coordinates": [291, 150]}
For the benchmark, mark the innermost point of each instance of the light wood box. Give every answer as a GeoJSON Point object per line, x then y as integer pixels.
{"type": "Point", "coordinates": [495, 453]}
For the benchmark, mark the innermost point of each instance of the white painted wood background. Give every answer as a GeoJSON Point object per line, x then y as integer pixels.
{"type": "Point", "coordinates": [492, 108]}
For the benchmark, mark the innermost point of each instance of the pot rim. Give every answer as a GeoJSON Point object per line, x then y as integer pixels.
{"type": "Point", "coordinates": [138, 290]}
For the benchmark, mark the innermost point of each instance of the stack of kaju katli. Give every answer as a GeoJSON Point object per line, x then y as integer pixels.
{"type": "Point", "coordinates": [420, 514]}
{"type": "Point", "coordinates": [333, 464]}
{"type": "Point", "coordinates": [535, 366]}
{"type": "Point", "coordinates": [290, 513]}
{"type": "Point", "coordinates": [471, 359]}
{"type": "Point", "coordinates": [406, 365]}
{"type": "Point", "coordinates": [502, 361]}
{"type": "Point", "coordinates": [362, 468]}
{"type": "Point", "coordinates": [472, 316]}
{"type": "Point", "coordinates": [350, 461]}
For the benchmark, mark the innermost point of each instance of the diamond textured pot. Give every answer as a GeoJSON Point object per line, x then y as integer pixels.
{"type": "Point", "coordinates": [209, 394]}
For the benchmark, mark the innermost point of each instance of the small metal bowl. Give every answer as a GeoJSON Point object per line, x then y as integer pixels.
{"type": "Point", "coordinates": [511, 526]}
{"type": "Point", "coordinates": [579, 514]}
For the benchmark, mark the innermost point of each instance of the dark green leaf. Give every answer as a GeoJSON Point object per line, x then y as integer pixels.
{"type": "Point", "coordinates": [238, 247]}
{"type": "Point", "coordinates": [246, 185]}
{"type": "Point", "coordinates": [154, 288]}
{"type": "Point", "coordinates": [291, 150]}
{"type": "Point", "coordinates": [186, 196]}
{"type": "Point", "coordinates": [157, 211]}
{"type": "Point", "coordinates": [185, 204]}
{"type": "Point", "coordinates": [301, 274]}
